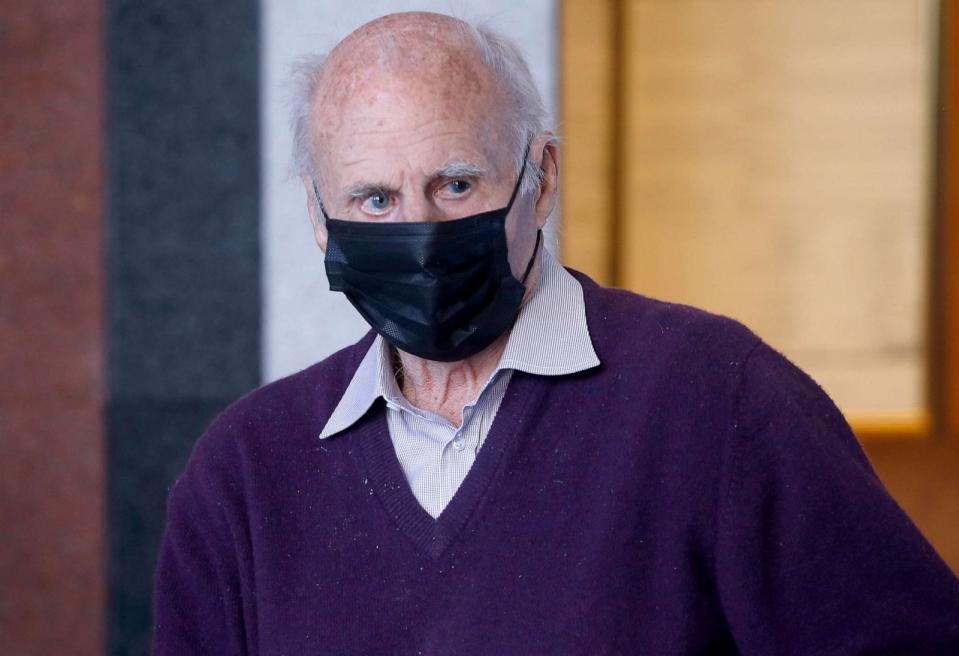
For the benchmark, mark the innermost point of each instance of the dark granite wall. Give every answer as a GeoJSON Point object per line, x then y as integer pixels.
{"type": "Point", "coordinates": [183, 261]}
{"type": "Point", "coordinates": [52, 570]}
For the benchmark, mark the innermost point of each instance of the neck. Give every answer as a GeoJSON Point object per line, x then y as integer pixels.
{"type": "Point", "coordinates": [444, 388]}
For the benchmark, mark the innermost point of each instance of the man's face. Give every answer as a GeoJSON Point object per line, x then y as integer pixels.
{"type": "Point", "coordinates": [417, 143]}
{"type": "Point", "coordinates": [408, 152]}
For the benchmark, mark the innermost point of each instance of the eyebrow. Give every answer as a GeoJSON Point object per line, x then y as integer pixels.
{"type": "Point", "coordinates": [459, 169]}
{"type": "Point", "coordinates": [364, 189]}
{"type": "Point", "coordinates": [454, 169]}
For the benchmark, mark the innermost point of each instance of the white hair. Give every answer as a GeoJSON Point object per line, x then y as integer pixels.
{"type": "Point", "coordinates": [503, 57]}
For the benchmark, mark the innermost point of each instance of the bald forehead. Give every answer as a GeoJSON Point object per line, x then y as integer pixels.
{"type": "Point", "coordinates": [404, 43]}
{"type": "Point", "coordinates": [430, 61]}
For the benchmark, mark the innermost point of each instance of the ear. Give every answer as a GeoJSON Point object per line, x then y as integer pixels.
{"type": "Point", "coordinates": [549, 189]}
{"type": "Point", "coordinates": [316, 217]}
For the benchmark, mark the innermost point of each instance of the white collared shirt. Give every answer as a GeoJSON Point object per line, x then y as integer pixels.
{"type": "Point", "coordinates": [550, 338]}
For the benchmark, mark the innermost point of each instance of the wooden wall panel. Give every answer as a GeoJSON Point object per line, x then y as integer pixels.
{"type": "Point", "coordinates": [948, 268]}
{"type": "Point", "coordinates": [777, 168]}
{"type": "Point", "coordinates": [589, 104]}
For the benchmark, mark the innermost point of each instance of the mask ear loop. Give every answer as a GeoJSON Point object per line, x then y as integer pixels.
{"type": "Point", "coordinates": [509, 205]}
{"type": "Point", "coordinates": [529, 265]}
{"type": "Point", "coordinates": [316, 195]}
{"type": "Point", "coordinates": [519, 182]}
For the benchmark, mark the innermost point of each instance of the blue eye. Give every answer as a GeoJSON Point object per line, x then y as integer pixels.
{"type": "Point", "coordinates": [377, 202]}
{"type": "Point", "coordinates": [459, 186]}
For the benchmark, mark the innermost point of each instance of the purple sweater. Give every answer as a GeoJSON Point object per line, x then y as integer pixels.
{"type": "Point", "coordinates": [696, 493]}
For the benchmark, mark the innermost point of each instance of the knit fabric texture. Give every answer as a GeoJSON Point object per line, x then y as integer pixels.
{"type": "Point", "coordinates": [696, 493]}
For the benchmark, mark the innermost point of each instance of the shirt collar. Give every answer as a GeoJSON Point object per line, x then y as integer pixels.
{"type": "Point", "coordinates": [549, 338]}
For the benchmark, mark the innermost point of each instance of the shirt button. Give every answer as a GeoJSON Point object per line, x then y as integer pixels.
{"type": "Point", "coordinates": [459, 444]}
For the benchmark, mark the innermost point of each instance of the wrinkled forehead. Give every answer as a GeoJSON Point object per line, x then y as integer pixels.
{"type": "Point", "coordinates": [398, 89]}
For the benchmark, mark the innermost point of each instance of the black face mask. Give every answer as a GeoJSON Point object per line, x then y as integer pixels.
{"type": "Point", "coordinates": [441, 290]}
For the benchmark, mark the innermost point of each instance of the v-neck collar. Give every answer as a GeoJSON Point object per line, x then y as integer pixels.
{"type": "Point", "coordinates": [433, 536]}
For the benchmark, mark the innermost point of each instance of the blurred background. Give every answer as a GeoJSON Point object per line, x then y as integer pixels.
{"type": "Point", "coordinates": [793, 165]}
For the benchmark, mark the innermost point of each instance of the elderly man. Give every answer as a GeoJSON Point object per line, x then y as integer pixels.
{"type": "Point", "coordinates": [516, 460]}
